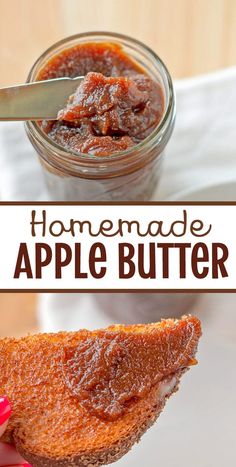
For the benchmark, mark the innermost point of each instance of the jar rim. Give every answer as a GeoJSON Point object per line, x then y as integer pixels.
{"type": "Point", "coordinates": [157, 132]}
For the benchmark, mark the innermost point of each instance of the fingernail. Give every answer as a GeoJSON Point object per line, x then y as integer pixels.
{"type": "Point", "coordinates": [26, 465]}
{"type": "Point", "coordinates": [5, 410]}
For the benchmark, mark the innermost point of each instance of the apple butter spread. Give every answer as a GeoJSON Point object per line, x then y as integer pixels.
{"type": "Point", "coordinates": [116, 106]}
{"type": "Point", "coordinates": [108, 142]}
{"type": "Point", "coordinates": [110, 370]}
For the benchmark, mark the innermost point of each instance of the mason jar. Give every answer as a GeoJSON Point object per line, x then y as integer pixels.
{"type": "Point", "coordinates": [129, 175]}
{"type": "Point", "coordinates": [132, 308]}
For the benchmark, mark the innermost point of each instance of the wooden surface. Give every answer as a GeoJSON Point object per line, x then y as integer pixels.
{"type": "Point", "coordinates": [192, 37]}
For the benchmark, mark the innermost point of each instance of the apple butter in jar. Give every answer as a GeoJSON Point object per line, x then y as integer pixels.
{"type": "Point", "coordinates": [107, 143]}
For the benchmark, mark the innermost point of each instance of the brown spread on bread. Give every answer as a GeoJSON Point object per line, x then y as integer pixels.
{"type": "Point", "coordinates": [109, 371]}
{"type": "Point", "coordinates": [85, 398]}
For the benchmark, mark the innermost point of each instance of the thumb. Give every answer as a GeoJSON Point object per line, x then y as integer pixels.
{"type": "Point", "coordinates": [5, 412]}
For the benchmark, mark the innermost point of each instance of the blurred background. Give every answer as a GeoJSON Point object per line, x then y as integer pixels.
{"type": "Point", "coordinates": [192, 36]}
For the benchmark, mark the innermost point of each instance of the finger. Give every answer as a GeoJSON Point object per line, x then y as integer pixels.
{"type": "Point", "coordinates": [5, 412]}
{"type": "Point", "coordinates": [9, 455]}
{"type": "Point", "coordinates": [17, 465]}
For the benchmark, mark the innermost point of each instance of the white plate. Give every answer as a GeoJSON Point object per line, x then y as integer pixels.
{"type": "Point", "coordinates": [221, 192]}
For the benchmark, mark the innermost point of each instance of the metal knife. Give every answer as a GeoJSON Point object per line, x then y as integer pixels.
{"type": "Point", "coordinates": [40, 100]}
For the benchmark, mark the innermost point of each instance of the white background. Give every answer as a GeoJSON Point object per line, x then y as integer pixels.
{"type": "Point", "coordinates": [15, 228]}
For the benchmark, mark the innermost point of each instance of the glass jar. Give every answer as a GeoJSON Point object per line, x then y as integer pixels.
{"type": "Point", "coordinates": [145, 307]}
{"type": "Point", "coordinates": [130, 175]}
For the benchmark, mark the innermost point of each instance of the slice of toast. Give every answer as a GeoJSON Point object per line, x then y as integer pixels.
{"type": "Point", "coordinates": [84, 398]}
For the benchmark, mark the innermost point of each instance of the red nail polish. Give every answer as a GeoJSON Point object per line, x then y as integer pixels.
{"type": "Point", "coordinates": [26, 465]}
{"type": "Point", "coordinates": [5, 410]}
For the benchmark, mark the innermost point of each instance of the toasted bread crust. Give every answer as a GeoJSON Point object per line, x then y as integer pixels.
{"type": "Point", "coordinates": [110, 454]}
{"type": "Point", "coordinates": [51, 427]}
